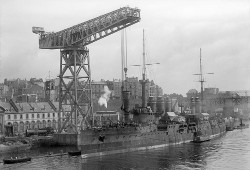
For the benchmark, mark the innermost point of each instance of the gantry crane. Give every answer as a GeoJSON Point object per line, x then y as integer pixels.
{"type": "Point", "coordinates": [75, 76]}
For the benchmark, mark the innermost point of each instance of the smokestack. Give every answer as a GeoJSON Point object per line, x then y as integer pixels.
{"type": "Point", "coordinates": [168, 104]}
{"type": "Point", "coordinates": [192, 105]}
{"type": "Point", "coordinates": [160, 104]}
{"type": "Point", "coordinates": [125, 98]}
{"type": "Point", "coordinates": [152, 103]}
{"type": "Point", "coordinates": [197, 105]}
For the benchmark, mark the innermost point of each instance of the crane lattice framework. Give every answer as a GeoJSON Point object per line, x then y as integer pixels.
{"type": "Point", "coordinates": [75, 75]}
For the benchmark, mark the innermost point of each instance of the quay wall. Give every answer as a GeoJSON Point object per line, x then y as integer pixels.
{"type": "Point", "coordinates": [65, 139]}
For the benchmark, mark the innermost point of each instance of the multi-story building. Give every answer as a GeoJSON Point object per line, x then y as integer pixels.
{"type": "Point", "coordinates": [98, 88]}
{"type": "Point", "coordinates": [133, 85]}
{"type": "Point", "coordinates": [3, 91]}
{"type": "Point", "coordinates": [38, 82]}
{"type": "Point", "coordinates": [15, 87]}
{"type": "Point", "coordinates": [159, 91]}
{"type": "Point", "coordinates": [33, 90]}
{"type": "Point", "coordinates": [18, 117]}
{"type": "Point", "coordinates": [117, 88]}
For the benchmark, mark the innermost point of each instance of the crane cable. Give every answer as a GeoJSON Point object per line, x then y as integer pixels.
{"type": "Point", "coordinates": [124, 53]}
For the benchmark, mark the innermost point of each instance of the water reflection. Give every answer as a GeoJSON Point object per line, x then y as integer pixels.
{"type": "Point", "coordinates": [232, 151]}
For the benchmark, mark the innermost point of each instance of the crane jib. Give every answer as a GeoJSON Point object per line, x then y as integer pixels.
{"type": "Point", "coordinates": [90, 31]}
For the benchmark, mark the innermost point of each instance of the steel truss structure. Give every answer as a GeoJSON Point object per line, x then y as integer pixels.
{"type": "Point", "coordinates": [75, 87]}
{"type": "Point", "coordinates": [75, 75]}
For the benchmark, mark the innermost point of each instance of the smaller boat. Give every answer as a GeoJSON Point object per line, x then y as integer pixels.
{"type": "Point", "coordinates": [242, 125]}
{"type": "Point", "coordinates": [16, 160]}
{"type": "Point", "coordinates": [74, 153]}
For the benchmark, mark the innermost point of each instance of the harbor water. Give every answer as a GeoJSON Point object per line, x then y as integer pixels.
{"type": "Point", "coordinates": [230, 152]}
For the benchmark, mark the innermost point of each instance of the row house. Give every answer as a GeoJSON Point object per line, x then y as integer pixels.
{"type": "Point", "coordinates": [19, 117]}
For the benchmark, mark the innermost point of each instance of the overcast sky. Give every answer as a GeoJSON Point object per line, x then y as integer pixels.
{"type": "Point", "coordinates": [175, 31]}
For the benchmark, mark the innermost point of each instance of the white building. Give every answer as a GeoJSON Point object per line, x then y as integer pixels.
{"type": "Point", "coordinates": [18, 117]}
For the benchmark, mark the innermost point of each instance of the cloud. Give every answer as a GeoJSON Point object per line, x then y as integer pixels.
{"type": "Point", "coordinates": [175, 31]}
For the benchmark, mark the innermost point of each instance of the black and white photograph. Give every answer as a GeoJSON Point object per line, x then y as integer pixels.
{"type": "Point", "coordinates": [124, 85]}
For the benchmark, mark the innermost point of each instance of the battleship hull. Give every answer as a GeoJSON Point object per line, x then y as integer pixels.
{"type": "Point", "coordinates": [127, 139]}
{"type": "Point", "coordinates": [209, 130]}
{"type": "Point", "coordinates": [114, 141]}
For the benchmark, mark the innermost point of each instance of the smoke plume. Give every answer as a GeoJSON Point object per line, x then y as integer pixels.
{"type": "Point", "coordinates": [103, 100]}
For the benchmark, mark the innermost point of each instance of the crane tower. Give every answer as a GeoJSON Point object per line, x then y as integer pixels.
{"type": "Point", "coordinates": [75, 74]}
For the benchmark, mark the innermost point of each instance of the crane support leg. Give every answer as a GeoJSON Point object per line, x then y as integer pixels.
{"type": "Point", "coordinates": [75, 94]}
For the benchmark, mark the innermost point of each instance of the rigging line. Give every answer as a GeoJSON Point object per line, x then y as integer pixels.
{"type": "Point", "coordinates": [126, 49]}
{"type": "Point", "coordinates": [122, 58]}
{"type": "Point", "coordinates": [150, 70]}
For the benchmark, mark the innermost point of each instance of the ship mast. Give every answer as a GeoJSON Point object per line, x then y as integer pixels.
{"type": "Point", "coordinates": [201, 81]}
{"type": "Point", "coordinates": [143, 81]}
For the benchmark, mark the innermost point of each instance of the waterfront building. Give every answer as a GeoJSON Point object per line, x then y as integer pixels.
{"type": "Point", "coordinates": [18, 117]}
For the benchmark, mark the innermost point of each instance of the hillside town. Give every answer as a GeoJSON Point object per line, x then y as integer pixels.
{"type": "Point", "coordinates": [33, 104]}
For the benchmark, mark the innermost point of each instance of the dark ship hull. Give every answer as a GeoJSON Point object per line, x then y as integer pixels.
{"type": "Point", "coordinates": [209, 132]}
{"type": "Point", "coordinates": [127, 139]}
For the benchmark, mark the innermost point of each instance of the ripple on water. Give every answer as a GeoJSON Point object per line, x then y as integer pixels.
{"type": "Point", "coordinates": [230, 152]}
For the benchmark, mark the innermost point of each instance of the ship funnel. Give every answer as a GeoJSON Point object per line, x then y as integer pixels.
{"type": "Point", "coordinates": [160, 104]}
{"type": "Point", "coordinates": [152, 103]}
{"type": "Point", "coordinates": [197, 105]}
{"type": "Point", "coordinates": [192, 105]}
{"type": "Point", "coordinates": [125, 98]}
{"type": "Point", "coordinates": [168, 104]}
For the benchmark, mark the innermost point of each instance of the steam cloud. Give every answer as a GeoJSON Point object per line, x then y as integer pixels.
{"type": "Point", "coordinates": [103, 100]}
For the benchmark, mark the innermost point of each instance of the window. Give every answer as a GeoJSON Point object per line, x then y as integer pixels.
{"type": "Point", "coordinates": [53, 114]}
{"type": "Point", "coordinates": [27, 116]}
{"type": "Point", "coordinates": [21, 116]}
{"type": "Point", "coordinates": [15, 116]}
{"type": "Point", "coordinates": [8, 116]}
{"type": "Point", "coordinates": [38, 116]}
{"type": "Point", "coordinates": [48, 115]}
{"type": "Point", "coordinates": [32, 115]}
{"type": "Point", "coordinates": [43, 115]}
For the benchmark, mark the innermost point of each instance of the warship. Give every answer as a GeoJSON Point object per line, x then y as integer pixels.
{"type": "Point", "coordinates": [151, 125]}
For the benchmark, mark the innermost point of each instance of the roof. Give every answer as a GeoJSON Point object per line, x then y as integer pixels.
{"type": "Point", "coordinates": [192, 91]}
{"type": "Point", "coordinates": [27, 107]}
{"type": "Point", "coordinates": [205, 114]}
{"type": "Point", "coordinates": [6, 106]}
{"type": "Point", "coordinates": [171, 114]}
